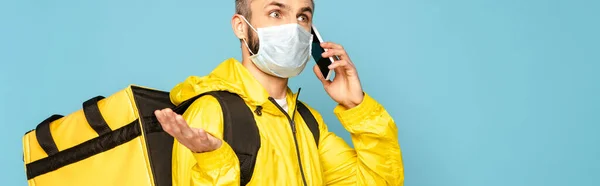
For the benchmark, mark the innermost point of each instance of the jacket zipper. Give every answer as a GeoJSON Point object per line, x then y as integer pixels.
{"type": "Point", "coordinates": [293, 126]}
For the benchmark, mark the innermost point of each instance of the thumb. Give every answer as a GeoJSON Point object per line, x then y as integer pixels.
{"type": "Point", "coordinates": [201, 134]}
{"type": "Point", "coordinates": [320, 76]}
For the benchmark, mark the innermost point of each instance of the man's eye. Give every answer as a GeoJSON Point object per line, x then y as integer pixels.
{"type": "Point", "coordinates": [275, 14]}
{"type": "Point", "coordinates": [302, 18]}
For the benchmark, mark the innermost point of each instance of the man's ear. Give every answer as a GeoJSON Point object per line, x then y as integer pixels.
{"type": "Point", "coordinates": [237, 24]}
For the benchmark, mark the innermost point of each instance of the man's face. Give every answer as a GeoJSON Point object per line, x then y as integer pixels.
{"type": "Point", "coordinates": [266, 13]}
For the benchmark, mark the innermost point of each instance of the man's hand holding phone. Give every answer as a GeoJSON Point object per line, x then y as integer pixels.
{"type": "Point", "coordinates": [345, 87]}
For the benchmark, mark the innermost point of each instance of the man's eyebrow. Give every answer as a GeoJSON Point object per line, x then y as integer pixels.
{"type": "Point", "coordinates": [278, 4]}
{"type": "Point", "coordinates": [306, 9]}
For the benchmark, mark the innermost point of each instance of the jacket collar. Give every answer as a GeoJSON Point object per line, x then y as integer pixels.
{"type": "Point", "coordinates": [231, 76]}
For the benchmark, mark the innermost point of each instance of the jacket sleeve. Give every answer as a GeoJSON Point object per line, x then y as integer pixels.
{"type": "Point", "coordinates": [376, 159]}
{"type": "Point", "coordinates": [218, 167]}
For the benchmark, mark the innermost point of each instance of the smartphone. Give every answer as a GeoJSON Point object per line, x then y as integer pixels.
{"type": "Point", "coordinates": [317, 50]}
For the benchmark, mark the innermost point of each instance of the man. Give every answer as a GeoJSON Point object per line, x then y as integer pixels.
{"type": "Point", "coordinates": [275, 38]}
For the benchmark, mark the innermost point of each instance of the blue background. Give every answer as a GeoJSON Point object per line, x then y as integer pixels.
{"type": "Point", "coordinates": [483, 92]}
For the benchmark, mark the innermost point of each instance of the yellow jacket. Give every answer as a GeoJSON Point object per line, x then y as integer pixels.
{"type": "Point", "coordinates": [376, 159]}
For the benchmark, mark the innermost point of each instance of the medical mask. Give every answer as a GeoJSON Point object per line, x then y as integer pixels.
{"type": "Point", "coordinates": [283, 50]}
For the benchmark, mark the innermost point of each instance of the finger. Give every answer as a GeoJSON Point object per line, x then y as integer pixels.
{"type": "Point", "coordinates": [161, 119]}
{"type": "Point", "coordinates": [186, 131]}
{"type": "Point", "coordinates": [172, 122]}
{"type": "Point", "coordinates": [341, 63]}
{"type": "Point", "coordinates": [340, 72]}
{"type": "Point", "coordinates": [165, 120]}
{"type": "Point", "coordinates": [343, 68]}
{"type": "Point", "coordinates": [331, 45]}
{"type": "Point", "coordinates": [159, 116]}
{"type": "Point", "coordinates": [340, 53]}
{"type": "Point", "coordinates": [170, 128]}
{"type": "Point", "coordinates": [317, 71]}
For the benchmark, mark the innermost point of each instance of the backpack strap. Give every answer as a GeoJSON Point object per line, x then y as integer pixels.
{"type": "Point", "coordinates": [310, 121]}
{"type": "Point", "coordinates": [239, 129]}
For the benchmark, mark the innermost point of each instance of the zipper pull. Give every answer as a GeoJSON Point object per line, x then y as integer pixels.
{"type": "Point", "coordinates": [293, 127]}
{"type": "Point", "coordinates": [258, 110]}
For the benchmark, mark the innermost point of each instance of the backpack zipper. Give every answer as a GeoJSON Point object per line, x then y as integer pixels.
{"type": "Point", "coordinates": [293, 126]}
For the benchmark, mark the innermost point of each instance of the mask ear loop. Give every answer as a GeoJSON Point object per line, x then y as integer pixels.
{"type": "Point", "coordinates": [246, 42]}
{"type": "Point", "coordinates": [249, 23]}
{"type": "Point", "coordinates": [248, 47]}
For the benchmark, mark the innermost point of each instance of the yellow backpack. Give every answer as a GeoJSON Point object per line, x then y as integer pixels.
{"type": "Point", "coordinates": [118, 141]}
{"type": "Point", "coordinates": [105, 143]}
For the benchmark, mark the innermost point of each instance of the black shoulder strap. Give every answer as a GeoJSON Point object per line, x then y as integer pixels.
{"type": "Point", "coordinates": [239, 129]}
{"type": "Point", "coordinates": [310, 121]}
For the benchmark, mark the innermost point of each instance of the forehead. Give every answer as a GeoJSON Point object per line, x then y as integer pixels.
{"type": "Point", "coordinates": [291, 3]}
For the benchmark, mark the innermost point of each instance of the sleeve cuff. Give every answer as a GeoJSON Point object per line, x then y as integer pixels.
{"type": "Point", "coordinates": [217, 159]}
{"type": "Point", "coordinates": [358, 114]}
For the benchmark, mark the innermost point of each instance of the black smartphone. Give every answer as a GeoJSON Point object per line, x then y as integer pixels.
{"type": "Point", "coordinates": [317, 50]}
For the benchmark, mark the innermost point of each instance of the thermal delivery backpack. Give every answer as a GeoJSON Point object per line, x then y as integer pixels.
{"type": "Point", "coordinates": [110, 141]}
{"type": "Point", "coordinates": [117, 140]}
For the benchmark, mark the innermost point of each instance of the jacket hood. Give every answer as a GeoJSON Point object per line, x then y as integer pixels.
{"type": "Point", "coordinates": [229, 76]}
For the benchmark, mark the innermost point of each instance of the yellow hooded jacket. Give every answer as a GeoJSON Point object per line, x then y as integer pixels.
{"type": "Point", "coordinates": [376, 159]}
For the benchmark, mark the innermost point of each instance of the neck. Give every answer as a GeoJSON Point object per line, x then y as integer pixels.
{"type": "Point", "coordinates": [275, 86]}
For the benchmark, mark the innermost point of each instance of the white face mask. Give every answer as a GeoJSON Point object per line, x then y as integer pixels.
{"type": "Point", "coordinates": [283, 50]}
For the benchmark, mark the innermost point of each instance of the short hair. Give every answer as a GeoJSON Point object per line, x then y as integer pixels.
{"type": "Point", "coordinates": [242, 7]}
